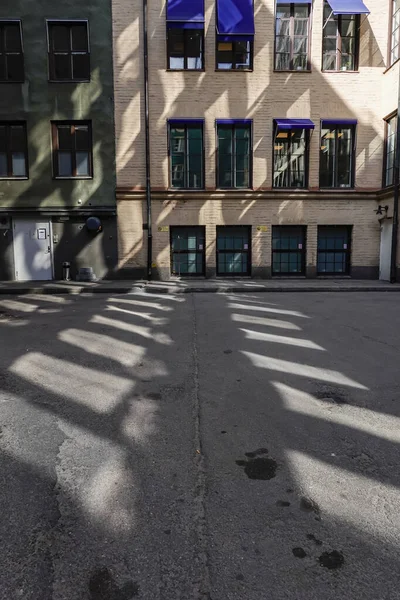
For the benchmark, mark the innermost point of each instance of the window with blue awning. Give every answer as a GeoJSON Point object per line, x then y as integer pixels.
{"type": "Point", "coordinates": [185, 14]}
{"type": "Point", "coordinates": [235, 20]}
{"type": "Point", "coordinates": [348, 7]}
{"type": "Point", "coordinates": [294, 124]}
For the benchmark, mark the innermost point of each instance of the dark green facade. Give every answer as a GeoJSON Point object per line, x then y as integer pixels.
{"type": "Point", "coordinates": [66, 203]}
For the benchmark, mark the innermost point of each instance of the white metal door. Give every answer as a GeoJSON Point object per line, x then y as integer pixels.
{"type": "Point", "coordinates": [386, 250]}
{"type": "Point", "coordinates": [32, 250]}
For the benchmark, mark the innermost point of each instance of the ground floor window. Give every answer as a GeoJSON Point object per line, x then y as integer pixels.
{"type": "Point", "coordinates": [288, 250]}
{"type": "Point", "coordinates": [187, 251]}
{"type": "Point", "coordinates": [334, 246]}
{"type": "Point", "coordinates": [234, 250]}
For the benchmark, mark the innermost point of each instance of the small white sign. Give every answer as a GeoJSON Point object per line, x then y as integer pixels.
{"type": "Point", "coordinates": [200, 246]}
{"type": "Point", "coordinates": [245, 246]}
{"type": "Point", "coordinates": [344, 246]}
{"type": "Point", "coordinates": [300, 246]}
{"type": "Point", "coordinates": [41, 234]}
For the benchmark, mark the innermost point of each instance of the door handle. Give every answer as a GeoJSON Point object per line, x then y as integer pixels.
{"type": "Point", "coordinates": [48, 250]}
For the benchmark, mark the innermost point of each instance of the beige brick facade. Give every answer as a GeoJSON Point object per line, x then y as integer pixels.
{"type": "Point", "coordinates": [262, 95]}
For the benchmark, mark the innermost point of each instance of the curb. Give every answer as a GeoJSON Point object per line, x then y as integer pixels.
{"type": "Point", "coordinates": [258, 289]}
{"type": "Point", "coordinates": [212, 289]}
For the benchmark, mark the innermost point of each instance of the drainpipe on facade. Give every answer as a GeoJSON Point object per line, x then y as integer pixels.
{"type": "Point", "coordinates": [393, 260]}
{"type": "Point", "coordinates": [147, 130]}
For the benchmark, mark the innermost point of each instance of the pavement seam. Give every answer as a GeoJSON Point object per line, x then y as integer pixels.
{"type": "Point", "coordinates": [201, 589]}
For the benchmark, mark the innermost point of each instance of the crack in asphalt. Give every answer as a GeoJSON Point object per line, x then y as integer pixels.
{"type": "Point", "coordinates": [201, 590]}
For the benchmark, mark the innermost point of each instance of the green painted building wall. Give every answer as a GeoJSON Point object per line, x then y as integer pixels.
{"type": "Point", "coordinates": [37, 101]}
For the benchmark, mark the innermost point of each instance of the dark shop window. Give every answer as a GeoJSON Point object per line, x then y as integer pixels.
{"type": "Point", "coordinates": [288, 250]}
{"type": "Point", "coordinates": [334, 246]}
{"type": "Point", "coordinates": [185, 49]}
{"type": "Point", "coordinates": [235, 55]}
{"type": "Point", "coordinates": [233, 250]}
{"type": "Point", "coordinates": [337, 157]}
{"type": "Point", "coordinates": [186, 156]}
{"type": "Point", "coordinates": [72, 149]}
{"type": "Point", "coordinates": [390, 150]}
{"type": "Point", "coordinates": [187, 251]}
{"type": "Point", "coordinates": [69, 57]}
{"type": "Point", "coordinates": [234, 156]}
{"type": "Point", "coordinates": [13, 151]}
{"type": "Point", "coordinates": [340, 41]}
{"type": "Point", "coordinates": [11, 52]}
{"type": "Point", "coordinates": [290, 158]}
{"type": "Point", "coordinates": [395, 32]}
{"type": "Point", "coordinates": [292, 28]}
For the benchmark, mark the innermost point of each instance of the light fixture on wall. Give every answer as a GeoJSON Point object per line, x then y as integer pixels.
{"type": "Point", "coordinates": [382, 209]}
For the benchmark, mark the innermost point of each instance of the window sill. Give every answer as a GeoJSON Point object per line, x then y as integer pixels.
{"type": "Point", "coordinates": [14, 178]}
{"type": "Point", "coordinates": [191, 190]}
{"type": "Point", "coordinates": [232, 189]}
{"type": "Point", "coordinates": [185, 70]}
{"type": "Point", "coordinates": [292, 71]}
{"type": "Point", "coordinates": [69, 80]}
{"type": "Point", "coordinates": [337, 72]}
{"type": "Point", "coordinates": [290, 189]}
{"type": "Point", "coordinates": [73, 178]}
{"type": "Point", "coordinates": [338, 189]}
{"type": "Point", "coordinates": [234, 70]}
{"type": "Point", "coordinates": [10, 82]}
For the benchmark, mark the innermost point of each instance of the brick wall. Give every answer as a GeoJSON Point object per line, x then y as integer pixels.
{"type": "Point", "coordinates": [262, 96]}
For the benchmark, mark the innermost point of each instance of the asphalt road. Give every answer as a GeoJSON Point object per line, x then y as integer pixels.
{"type": "Point", "coordinates": [207, 446]}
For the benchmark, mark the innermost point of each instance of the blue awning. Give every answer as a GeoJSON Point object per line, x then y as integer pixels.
{"type": "Point", "coordinates": [348, 7]}
{"type": "Point", "coordinates": [294, 124]}
{"type": "Point", "coordinates": [183, 121]}
{"type": "Point", "coordinates": [335, 122]}
{"type": "Point", "coordinates": [185, 11]}
{"type": "Point", "coordinates": [235, 17]}
{"type": "Point", "coordinates": [234, 121]}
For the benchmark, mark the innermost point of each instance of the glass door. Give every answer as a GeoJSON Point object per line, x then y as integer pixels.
{"type": "Point", "coordinates": [234, 250]}
{"type": "Point", "coordinates": [187, 251]}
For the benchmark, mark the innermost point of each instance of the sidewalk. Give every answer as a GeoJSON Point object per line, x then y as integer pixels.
{"type": "Point", "coordinates": [190, 286]}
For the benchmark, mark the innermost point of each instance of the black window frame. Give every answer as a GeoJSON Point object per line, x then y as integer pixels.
{"type": "Point", "coordinates": [247, 252]}
{"type": "Point", "coordinates": [186, 125]}
{"type": "Point", "coordinates": [233, 127]}
{"type": "Point", "coordinates": [50, 24]}
{"type": "Point", "coordinates": [338, 126]}
{"type": "Point", "coordinates": [292, 37]}
{"type": "Point", "coordinates": [4, 52]}
{"type": "Point", "coordinates": [56, 149]}
{"type": "Point", "coordinates": [339, 38]}
{"type": "Point", "coordinates": [235, 53]}
{"type": "Point", "coordinates": [302, 252]}
{"type": "Point", "coordinates": [9, 150]}
{"type": "Point", "coordinates": [186, 33]}
{"type": "Point", "coordinates": [386, 153]}
{"type": "Point", "coordinates": [306, 158]}
{"type": "Point", "coordinates": [202, 252]}
{"type": "Point", "coordinates": [392, 31]}
{"type": "Point", "coordinates": [346, 251]}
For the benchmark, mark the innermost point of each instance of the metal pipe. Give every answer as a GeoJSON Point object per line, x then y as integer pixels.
{"type": "Point", "coordinates": [147, 134]}
{"type": "Point", "coordinates": [396, 177]}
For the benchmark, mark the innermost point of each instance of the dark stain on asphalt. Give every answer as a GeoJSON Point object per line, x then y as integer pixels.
{"type": "Point", "coordinates": [256, 453]}
{"type": "Point", "coordinates": [309, 505]}
{"type": "Point", "coordinates": [289, 491]}
{"type": "Point", "coordinates": [312, 538]}
{"type": "Point", "coordinates": [332, 395]}
{"type": "Point", "coordinates": [154, 396]}
{"type": "Point", "coordinates": [283, 503]}
{"type": "Point", "coordinates": [167, 531]}
{"type": "Point", "coordinates": [239, 577]}
{"type": "Point", "coordinates": [299, 553]}
{"type": "Point", "coordinates": [227, 351]}
{"type": "Point", "coordinates": [331, 560]}
{"type": "Point", "coordinates": [102, 586]}
{"type": "Point", "coordinates": [257, 467]}
{"type": "Point", "coordinates": [223, 431]}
